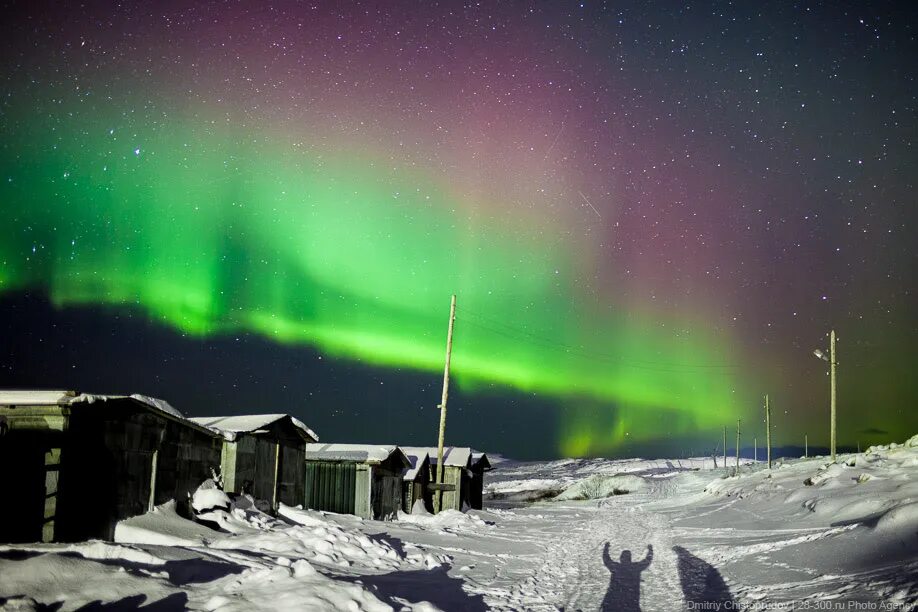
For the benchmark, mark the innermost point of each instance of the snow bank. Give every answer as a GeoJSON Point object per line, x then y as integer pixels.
{"type": "Point", "coordinates": [208, 496]}
{"type": "Point", "coordinates": [319, 539]}
{"type": "Point", "coordinates": [447, 519]}
{"type": "Point", "coordinates": [163, 527]}
{"type": "Point", "coordinates": [73, 578]}
{"type": "Point", "coordinates": [526, 490]}
{"type": "Point", "coordinates": [599, 486]}
{"type": "Point", "coordinates": [877, 486]}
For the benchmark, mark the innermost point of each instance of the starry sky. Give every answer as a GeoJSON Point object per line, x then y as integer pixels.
{"type": "Point", "coordinates": [651, 214]}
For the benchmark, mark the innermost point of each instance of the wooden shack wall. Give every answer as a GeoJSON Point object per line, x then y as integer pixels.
{"type": "Point", "coordinates": [117, 447]}
{"type": "Point", "coordinates": [292, 485]}
{"type": "Point", "coordinates": [98, 468]}
{"type": "Point", "coordinates": [452, 500]}
{"type": "Point", "coordinates": [476, 489]}
{"type": "Point", "coordinates": [386, 488]}
{"type": "Point", "coordinates": [28, 512]}
{"type": "Point", "coordinates": [413, 490]}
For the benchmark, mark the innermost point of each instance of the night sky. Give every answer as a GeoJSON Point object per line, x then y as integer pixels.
{"type": "Point", "coordinates": [651, 214]}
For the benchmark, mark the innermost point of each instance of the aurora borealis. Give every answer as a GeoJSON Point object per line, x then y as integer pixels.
{"type": "Point", "coordinates": [650, 216]}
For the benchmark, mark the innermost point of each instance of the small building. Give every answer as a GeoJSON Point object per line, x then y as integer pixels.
{"type": "Point", "coordinates": [457, 463]}
{"type": "Point", "coordinates": [416, 480]}
{"type": "Point", "coordinates": [72, 465]}
{"type": "Point", "coordinates": [480, 465]}
{"type": "Point", "coordinates": [360, 479]}
{"type": "Point", "coordinates": [263, 455]}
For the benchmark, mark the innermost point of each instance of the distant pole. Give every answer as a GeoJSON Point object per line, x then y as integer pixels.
{"type": "Point", "coordinates": [755, 449]}
{"type": "Point", "coordinates": [833, 364]}
{"type": "Point", "coordinates": [806, 446]}
{"type": "Point", "coordinates": [725, 450]}
{"type": "Point", "coordinates": [449, 352]}
{"type": "Point", "coordinates": [768, 430]}
{"type": "Point", "coordinates": [737, 445]}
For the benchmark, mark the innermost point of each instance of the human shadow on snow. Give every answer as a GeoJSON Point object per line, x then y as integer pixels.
{"type": "Point", "coordinates": [624, 592]}
{"type": "Point", "coordinates": [702, 583]}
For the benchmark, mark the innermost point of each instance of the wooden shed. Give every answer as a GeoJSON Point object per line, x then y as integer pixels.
{"type": "Point", "coordinates": [361, 479]}
{"type": "Point", "coordinates": [457, 463]}
{"type": "Point", "coordinates": [77, 464]}
{"type": "Point", "coordinates": [416, 480]}
{"type": "Point", "coordinates": [480, 465]}
{"type": "Point", "coordinates": [263, 455]}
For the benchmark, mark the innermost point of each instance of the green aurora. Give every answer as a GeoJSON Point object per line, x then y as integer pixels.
{"type": "Point", "coordinates": [352, 254]}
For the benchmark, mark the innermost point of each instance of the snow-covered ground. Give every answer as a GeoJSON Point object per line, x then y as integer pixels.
{"type": "Point", "coordinates": [612, 535]}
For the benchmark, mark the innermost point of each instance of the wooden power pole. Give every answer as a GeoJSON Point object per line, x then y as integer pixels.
{"type": "Point", "coordinates": [755, 449]}
{"type": "Point", "coordinates": [449, 352]}
{"type": "Point", "coordinates": [726, 469]}
{"type": "Point", "coordinates": [832, 366]}
{"type": "Point", "coordinates": [806, 446]}
{"type": "Point", "coordinates": [737, 445]}
{"type": "Point", "coordinates": [768, 431]}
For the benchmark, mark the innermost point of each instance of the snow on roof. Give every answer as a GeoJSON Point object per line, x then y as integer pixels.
{"type": "Point", "coordinates": [453, 456]}
{"type": "Point", "coordinates": [35, 397]}
{"type": "Point", "coordinates": [416, 458]}
{"type": "Point", "coordinates": [363, 453]}
{"type": "Point", "coordinates": [302, 426]}
{"type": "Point", "coordinates": [249, 423]}
{"type": "Point", "coordinates": [40, 397]}
{"type": "Point", "coordinates": [162, 405]}
{"type": "Point", "coordinates": [479, 458]}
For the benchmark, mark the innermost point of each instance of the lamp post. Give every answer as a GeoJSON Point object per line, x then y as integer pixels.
{"type": "Point", "coordinates": [830, 358]}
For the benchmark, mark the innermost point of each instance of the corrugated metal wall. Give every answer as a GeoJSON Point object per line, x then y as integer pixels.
{"type": "Point", "coordinates": [331, 486]}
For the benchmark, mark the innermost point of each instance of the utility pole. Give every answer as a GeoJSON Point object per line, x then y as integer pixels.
{"type": "Point", "coordinates": [832, 365]}
{"type": "Point", "coordinates": [737, 445]}
{"type": "Point", "coordinates": [449, 352]}
{"type": "Point", "coordinates": [806, 446]}
{"type": "Point", "coordinates": [726, 469]}
{"type": "Point", "coordinates": [755, 449]}
{"type": "Point", "coordinates": [768, 430]}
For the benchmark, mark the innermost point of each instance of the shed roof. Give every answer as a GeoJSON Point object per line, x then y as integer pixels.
{"type": "Point", "coordinates": [360, 453]}
{"type": "Point", "coordinates": [416, 457]}
{"type": "Point", "coordinates": [36, 397]}
{"type": "Point", "coordinates": [43, 397]}
{"type": "Point", "coordinates": [481, 461]}
{"type": "Point", "coordinates": [249, 423]}
{"type": "Point", "coordinates": [453, 456]}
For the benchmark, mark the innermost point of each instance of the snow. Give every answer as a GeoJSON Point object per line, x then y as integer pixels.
{"type": "Point", "coordinates": [35, 397]}
{"type": "Point", "coordinates": [366, 453]}
{"type": "Point", "coordinates": [416, 460]}
{"type": "Point", "coordinates": [159, 404]}
{"type": "Point", "coordinates": [38, 397]}
{"type": "Point", "coordinates": [685, 536]}
{"type": "Point", "coordinates": [248, 423]}
{"type": "Point", "coordinates": [598, 486]}
{"type": "Point", "coordinates": [208, 496]}
{"type": "Point", "coordinates": [453, 456]}
{"type": "Point", "coordinates": [300, 424]}
{"type": "Point", "coordinates": [164, 527]}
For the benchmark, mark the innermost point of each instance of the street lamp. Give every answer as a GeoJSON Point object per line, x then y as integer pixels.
{"type": "Point", "coordinates": [830, 358]}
